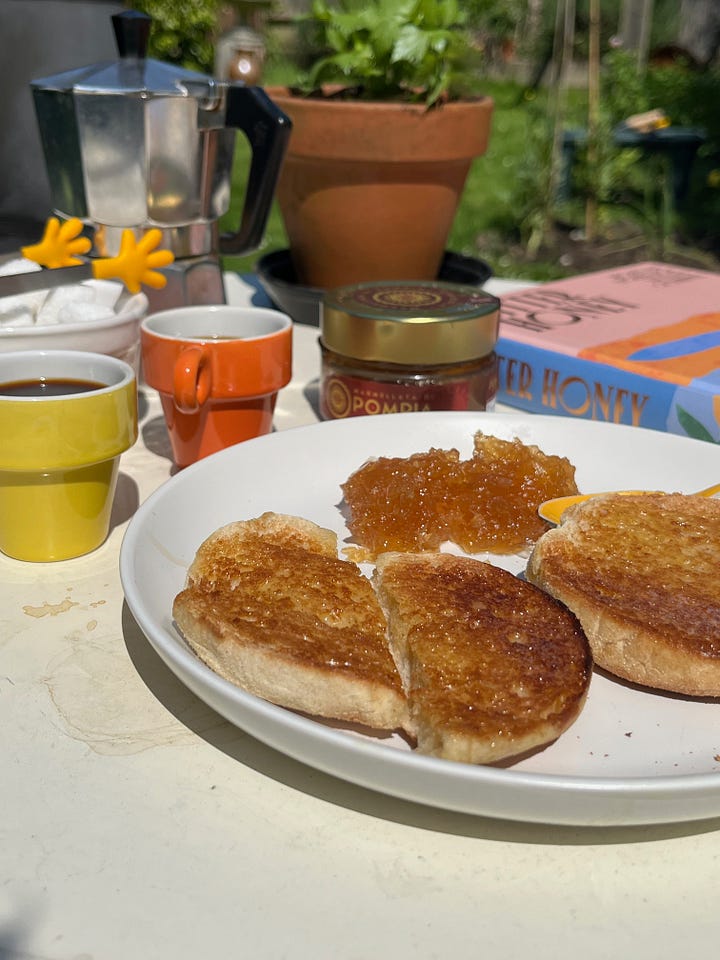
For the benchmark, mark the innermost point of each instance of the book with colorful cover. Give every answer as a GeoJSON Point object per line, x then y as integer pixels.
{"type": "Point", "coordinates": [638, 345]}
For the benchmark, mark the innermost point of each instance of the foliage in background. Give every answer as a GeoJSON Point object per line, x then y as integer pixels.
{"type": "Point", "coordinates": [508, 187]}
{"type": "Point", "coordinates": [625, 183]}
{"type": "Point", "coordinates": [182, 32]}
{"type": "Point", "coordinates": [532, 187]}
{"type": "Point", "coordinates": [417, 50]}
{"type": "Point", "coordinates": [689, 97]}
{"type": "Point", "coordinates": [497, 24]}
{"type": "Point", "coordinates": [663, 26]}
{"type": "Point", "coordinates": [499, 17]}
{"type": "Point", "coordinates": [616, 177]}
{"type": "Point", "coordinates": [624, 88]}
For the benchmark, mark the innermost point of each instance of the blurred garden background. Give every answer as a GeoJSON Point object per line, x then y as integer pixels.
{"type": "Point", "coordinates": [566, 185]}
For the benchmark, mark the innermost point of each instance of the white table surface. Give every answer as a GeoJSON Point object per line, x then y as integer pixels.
{"type": "Point", "coordinates": [137, 824]}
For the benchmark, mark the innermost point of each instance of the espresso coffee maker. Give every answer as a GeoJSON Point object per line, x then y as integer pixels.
{"type": "Point", "coordinates": [136, 143]}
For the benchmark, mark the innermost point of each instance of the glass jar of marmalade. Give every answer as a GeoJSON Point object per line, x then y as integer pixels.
{"type": "Point", "coordinates": [403, 346]}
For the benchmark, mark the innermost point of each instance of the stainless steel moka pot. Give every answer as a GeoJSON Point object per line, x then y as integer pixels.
{"type": "Point", "coordinates": [138, 143]}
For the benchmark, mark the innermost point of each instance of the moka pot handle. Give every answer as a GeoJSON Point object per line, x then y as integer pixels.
{"type": "Point", "coordinates": [268, 130]}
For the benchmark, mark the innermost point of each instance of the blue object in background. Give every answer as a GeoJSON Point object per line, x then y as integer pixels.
{"type": "Point", "coordinates": [678, 348]}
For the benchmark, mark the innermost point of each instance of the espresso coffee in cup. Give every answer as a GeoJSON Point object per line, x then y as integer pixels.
{"type": "Point", "coordinates": [41, 387]}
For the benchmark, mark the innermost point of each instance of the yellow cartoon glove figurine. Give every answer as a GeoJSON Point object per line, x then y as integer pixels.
{"type": "Point", "coordinates": [59, 245]}
{"type": "Point", "coordinates": [137, 262]}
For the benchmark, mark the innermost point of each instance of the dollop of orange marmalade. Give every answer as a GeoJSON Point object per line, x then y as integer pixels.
{"type": "Point", "coordinates": [485, 504]}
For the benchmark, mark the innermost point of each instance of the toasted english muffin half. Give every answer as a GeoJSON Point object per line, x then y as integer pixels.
{"type": "Point", "coordinates": [492, 666]}
{"type": "Point", "coordinates": [640, 572]}
{"type": "Point", "coordinates": [269, 606]}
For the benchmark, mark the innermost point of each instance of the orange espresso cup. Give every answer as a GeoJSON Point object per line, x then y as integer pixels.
{"type": "Point", "coordinates": [218, 370]}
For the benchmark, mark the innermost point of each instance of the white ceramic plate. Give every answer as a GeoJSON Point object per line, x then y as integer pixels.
{"type": "Point", "coordinates": [633, 756]}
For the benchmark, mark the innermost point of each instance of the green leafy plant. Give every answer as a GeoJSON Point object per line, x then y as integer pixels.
{"type": "Point", "coordinates": [414, 50]}
{"type": "Point", "coordinates": [182, 33]}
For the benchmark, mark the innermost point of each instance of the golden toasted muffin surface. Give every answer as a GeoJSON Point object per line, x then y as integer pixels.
{"type": "Point", "coordinates": [640, 573]}
{"type": "Point", "coordinates": [270, 606]}
{"type": "Point", "coordinates": [653, 557]}
{"type": "Point", "coordinates": [492, 666]}
{"type": "Point", "coordinates": [319, 610]}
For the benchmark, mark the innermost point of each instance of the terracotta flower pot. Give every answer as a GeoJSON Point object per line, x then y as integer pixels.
{"type": "Point", "coordinates": [369, 190]}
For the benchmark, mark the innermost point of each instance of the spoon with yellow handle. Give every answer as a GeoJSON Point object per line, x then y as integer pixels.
{"type": "Point", "coordinates": [137, 263]}
{"type": "Point", "coordinates": [552, 510]}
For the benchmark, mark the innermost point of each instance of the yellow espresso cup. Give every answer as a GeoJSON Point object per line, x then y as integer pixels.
{"type": "Point", "coordinates": [65, 418]}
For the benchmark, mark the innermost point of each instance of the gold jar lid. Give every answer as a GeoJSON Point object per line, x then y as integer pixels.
{"type": "Point", "coordinates": [410, 322]}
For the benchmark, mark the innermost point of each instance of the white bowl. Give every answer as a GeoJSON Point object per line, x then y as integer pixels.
{"type": "Point", "coordinates": [117, 335]}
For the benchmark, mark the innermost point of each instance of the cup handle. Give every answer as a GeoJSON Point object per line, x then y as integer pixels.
{"type": "Point", "coordinates": [191, 380]}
